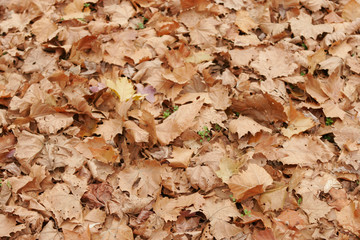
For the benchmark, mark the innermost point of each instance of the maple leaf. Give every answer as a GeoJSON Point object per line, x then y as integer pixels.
{"type": "Point", "coordinates": [228, 167]}
{"type": "Point", "coordinates": [243, 125]}
{"type": "Point", "coordinates": [297, 122]}
{"type": "Point", "coordinates": [124, 89]}
{"type": "Point", "coordinates": [244, 21]}
{"type": "Point", "coordinates": [250, 182]}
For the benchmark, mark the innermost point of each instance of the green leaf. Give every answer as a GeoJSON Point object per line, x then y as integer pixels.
{"type": "Point", "coordinates": [328, 121]}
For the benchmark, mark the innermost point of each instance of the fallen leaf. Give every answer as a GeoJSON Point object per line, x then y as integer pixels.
{"type": "Point", "coordinates": [228, 167]}
{"type": "Point", "coordinates": [177, 122]}
{"type": "Point", "coordinates": [180, 157]}
{"type": "Point", "coordinates": [297, 122]}
{"type": "Point", "coordinates": [123, 88]}
{"type": "Point", "coordinates": [243, 125]}
{"type": "Point", "coordinates": [285, 64]}
{"type": "Point", "coordinates": [148, 92]}
{"type": "Point", "coordinates": [273, 199]}
{"type": "Point", "coordinates": [203, 177]}
{"type": "Point", "coordinates": [169, 209]}
{"type": "Point", "coordinates": [314, 208]}
{"type": "Point", "coordinates": [27, 147]}
{"type": "Point", "coordinates": [348, 217]}
{"type": "Point", "coordinates": [250, 182]}
{"type": "Point", "coordinates": [305, 151]}
{"type": "Point", "coordinates": [61, 203]}
{"type": "Point", "coordinates": [43, 29]}
{"type": "Point", "coordinates": [244, 21]}
{"type": "Point", "coordinates": [351, 10]}
{"type": "Point", "coordinates": [135, 133]}
{"type": "Point", "coordinates": [9, 226]}
{"type": "Point", "coordinates": [97, 195]}
{"type": "Point", "coordinates": [302, 26]}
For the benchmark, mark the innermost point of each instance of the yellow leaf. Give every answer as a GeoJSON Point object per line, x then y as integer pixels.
{"type": "Point", "coordinates": [228, 167]}
{"type": "Point", "coordinates": [124, 89]}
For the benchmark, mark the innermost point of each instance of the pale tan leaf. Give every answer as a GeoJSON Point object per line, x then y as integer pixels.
{"type": "Point", "coordinates": [110, 128]}
{"type": "Point", "coordinates": [243, 125]}
{"type": "Point", "coordinates": [222, 229]}
{"type": "Point", "coordinates": [136, 133]}
{"type": "Point", "coordinates": [9, 225]}
{"type": "Point", "coordinates": [264, 63]}
{"type": "Point", "coordinates": [61, 203]}
{"type": "Point", "coordinates": [27, 147]}
{"type": "Point", "coordinates": [250, 182]}
{"type": "Point", "coordinates": [203, 177]}
{"type": "Point", "coordinates": [177, 122]}
{"type": "Point", "coordinates": [348, 217]}
{"type": "Point", "coordinates": [244, 21]}
{"type": "Point", "coordinates": [52, 123]}
{"type": "Point", "coordinates": [228, 167]}
{"type": "Point", "coordinates": [216, 209]}
{"type": "Point", "coordinates": [273, 199]}
{"type": "Point", "coordinates": [43, 29]}
{"type": "Point", "coordinates": [219, 95]}
{"type": "Point", "coordinates": [314, 208]}
{"type": "Point", "coordinates": [146, 177]}
{"type": "Point", "coordinates": [351, 10]}
{"type": "Point", "coordinates": [180, 157]}
{"type": "Point", "coordinates": [169, 209]}
{"type": "Point", "coordinates": [297, 122]}
{"type": "Point", "coordinates": [313, 87]}
{"type": "Point", "coordinates": [302, 26]}
{"type": "Point", "coordinates": [305, 151]}
{"type": "Point", "coordinates": [120, 13]}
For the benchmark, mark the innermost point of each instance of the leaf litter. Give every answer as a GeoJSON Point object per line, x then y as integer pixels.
{"type": "Point", "coordinates": [208, 119]}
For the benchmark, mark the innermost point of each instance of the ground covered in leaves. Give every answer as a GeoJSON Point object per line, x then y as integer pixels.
{"type": "Point", "coordinates": [179, 119]}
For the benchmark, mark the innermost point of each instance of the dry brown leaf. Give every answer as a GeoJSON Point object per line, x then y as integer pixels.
{"type": "Point", "coordinates": [180, 157]}
{"type": "Point", "coordinates": [9, 225]}
{"type": "Point", "coordinates": [264, 63]}
{"type": "Point", "coordinates": [244, 21]}
{"type": "Point", "coordinates": [334, 86]}
{"type": "Point", "coordinates": [243, 125]}
{"type": "Point", "coordinates": [169, 209]}
{"type": "Point", "coordinates": [203, 177]}
{"type": "Point", "coordinates": [52, 123]}
{"type": "Point", "coordinates": [97, 148]}
{"type": "Point", "coordinates": [203, 33]}
{"type": "Point", "coordinates": [141, 181]}
{"type": "Point", "coordinates": [305, 151]}
{"type": "Point", "coordinates": [314, 208]}
{"type": "Point", "coordinates": [354, 64]}
{"type": "Point", "coordinates": [222, 229]}
{"type": "Point", "coordinates": [250, 182]}
{"type": "Point", "coordinates": [261, 108]}
{"type": "Point", "coordinates": [273, 199]}
{"type": "Point", "coordinates": [316, 58]}
{"type": "Point", "coordinates": [242, 57]}
{"type": "Point", "coordinates": [75, 10]}
{"type": "Point", "coordinates": [351, 10]}
{"type": "Point", "coordinates": [43, 29]}
{"type": "Point", "coordinates": [27, 147]}
{"type": "Point", "coordinates": [61, 203]}
{"type": "Point", "coordinates": [219, 95]}
{"type": "Point", "coordinates": [302, 26]}
{"type": "Point", "coordinates": [348, 217]}
{"type": "Point", "coordinates": [135, 133]}
{"type": "Point", "coordinates": [50, 232]}
{"type": "Point", "coordinates": [177, 122]}
{"type": "Point", "coordinates": [297, 122]}
{"type": "Point", "coordinates": [313, 87]}
{"type": "Point", "coordinates": [110, 128]}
